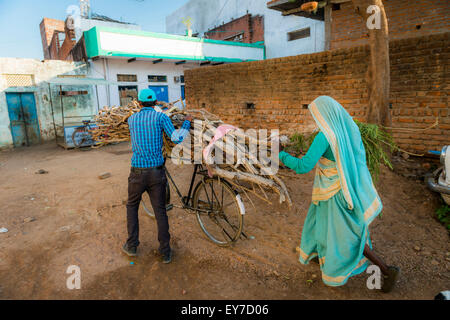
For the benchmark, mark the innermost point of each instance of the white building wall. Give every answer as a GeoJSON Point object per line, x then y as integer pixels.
{"type": "Point", "coordinates": [142, 69]}
{"type": "Point", "coordinates": [207, 14]}
{"type": "Point", "coordinates": [43, 71]}
{"type": "Point", "coordinates": [86, 24]}
{"type": "Point", "coordinates": [276, 39]}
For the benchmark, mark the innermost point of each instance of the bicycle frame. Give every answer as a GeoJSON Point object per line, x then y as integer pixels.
{"type": "Point", "coordinates": [186, 199]}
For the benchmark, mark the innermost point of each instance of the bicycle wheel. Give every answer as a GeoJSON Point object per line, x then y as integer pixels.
{"type": "Point", "coordinates": [79, 136]}
{"type": "Point", "coordinates": [220, 211]}
{"type": "Point", "coordinates": [147, 205]}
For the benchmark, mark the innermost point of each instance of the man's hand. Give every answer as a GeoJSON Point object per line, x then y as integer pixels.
{"type": "Point", "coordinates": [188, 118]}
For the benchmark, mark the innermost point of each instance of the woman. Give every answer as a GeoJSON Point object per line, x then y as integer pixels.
{"type": "Point", "coordinates": [344, 199]}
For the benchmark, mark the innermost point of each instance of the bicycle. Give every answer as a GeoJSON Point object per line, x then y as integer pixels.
{"type": "Point", "coordinates": [81, 135]}
{"type": "Point", "coordinates": [216, 203]}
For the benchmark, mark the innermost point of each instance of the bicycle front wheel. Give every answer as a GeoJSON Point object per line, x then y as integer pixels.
{"type": "Point", "coordinates": [80, 136]}
{"type": "Point", "coordinates": [220, 211]}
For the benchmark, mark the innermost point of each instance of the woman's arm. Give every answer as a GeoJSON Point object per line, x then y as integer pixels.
{"type": "Point", "coordinates": [308, 162]}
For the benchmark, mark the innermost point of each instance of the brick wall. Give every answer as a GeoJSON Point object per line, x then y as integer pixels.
{"type": "Point", "coordinates": [406, 19]}
{"type": "Point", "coordinates": [281, 89]}
{"type": "Point", "coordinates": [252, 28]}
{"type": "Point", "coordinates": [47, 28]}
{"type": "Point", "coordinates": [51, 32]}
{"type": "Point", "coordinates": [68, 44]}
{"type": "Point", "coordinates": [53, 47]}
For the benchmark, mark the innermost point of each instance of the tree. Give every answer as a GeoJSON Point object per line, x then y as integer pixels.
{"type": "Point", "coordinates": [378, 73]}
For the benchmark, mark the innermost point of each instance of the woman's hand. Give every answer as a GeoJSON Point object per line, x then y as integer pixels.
{"type": "Point", "coordinates": [282, 141]}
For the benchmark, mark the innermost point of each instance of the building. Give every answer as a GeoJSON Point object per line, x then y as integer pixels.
{"type": "Point", "coordinates": [344, 28]}
{"type": "Point", "coordinates": [31, 107]}
{"type": "Point", "coordinates": [252, 21]}
{"type": "Point", "coordinates": [60, 37]}
{"type": "Point", "coordinates": [100, 62]}
{"type": "Point", "coordinates": [287, 30]}
{"type": "Point", "coordinates": [246, 29]}
{"type": "Point", "coordinates": [132, 59]}
{"type": "Point", "coordinates": [139, 59]}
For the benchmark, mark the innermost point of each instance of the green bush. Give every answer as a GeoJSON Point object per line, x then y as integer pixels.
{"type": "Point", "coordinates": [443, 215]}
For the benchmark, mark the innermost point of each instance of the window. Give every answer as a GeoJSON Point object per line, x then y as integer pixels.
{"type": "Point", "coordinates": [156, 78]}
{"type": "Point", "coordinates": [299, 34]}
{"type": "Point", "coordinates": [19, 80]}
{"type": "Point", "coordinates": [236, 38]}
{"type": "Point", "coordinates": [126, 78]}
{"type": "Point", "coordinates": [61, 37]}
{"type": "Point", "coordinates": [127, 94]}
{"type": "Point", "coordinates": [74, 76]}
{"type": "Point", "coordinates": [182, 79]}
{"type": "Point", "coordinates": [336, 6]}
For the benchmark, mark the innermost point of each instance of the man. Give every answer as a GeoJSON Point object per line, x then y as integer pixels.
{"type": "Point", "coordinates": [147, 170]}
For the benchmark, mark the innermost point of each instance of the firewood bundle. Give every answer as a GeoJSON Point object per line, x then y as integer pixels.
{"type": "Point", "coordinates": [112, 124]}
{"type": "Point", "coordinates": [244, 169]}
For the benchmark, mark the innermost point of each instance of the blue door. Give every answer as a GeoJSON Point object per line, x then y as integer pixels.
{"type": "Point", "coordinates": [23, 118]}
{"type": "Point", "coordinates": [162, 92]}
{"type": "Point", "coordinates": [182, 92]}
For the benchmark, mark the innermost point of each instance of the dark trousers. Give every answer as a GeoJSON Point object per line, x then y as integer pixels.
{"type": "Point", "coordinates": [154, 182]}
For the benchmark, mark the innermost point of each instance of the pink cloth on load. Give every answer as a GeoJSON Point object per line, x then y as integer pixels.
{"type": "Point", "coordinates": [220, 132]}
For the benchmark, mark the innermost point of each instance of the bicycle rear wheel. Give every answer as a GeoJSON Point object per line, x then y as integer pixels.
{"type": "Point", "coordinates": [147, 205]}
{"type": "Point", "coordinates": [220, 211]}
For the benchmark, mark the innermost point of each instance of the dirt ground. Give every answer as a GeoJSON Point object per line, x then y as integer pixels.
{"type": "Point", "coordinates": [80, 220]}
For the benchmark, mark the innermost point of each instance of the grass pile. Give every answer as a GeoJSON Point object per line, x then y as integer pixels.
{"type": "Point", "coordinates": [378, 144]}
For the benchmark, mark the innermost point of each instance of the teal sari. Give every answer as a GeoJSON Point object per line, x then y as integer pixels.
{"type": "Point", "coordinates": [344, 200]}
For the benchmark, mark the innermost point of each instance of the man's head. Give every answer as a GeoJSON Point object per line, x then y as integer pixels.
{"type": "Point", "coordinates": [147, 97]}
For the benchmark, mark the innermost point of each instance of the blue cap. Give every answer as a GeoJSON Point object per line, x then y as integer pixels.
{"type": "Point", "coordinates": [147, 95]}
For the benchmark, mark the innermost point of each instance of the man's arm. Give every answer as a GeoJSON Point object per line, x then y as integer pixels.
{"type": "Point", "coordinates": [177, 136]}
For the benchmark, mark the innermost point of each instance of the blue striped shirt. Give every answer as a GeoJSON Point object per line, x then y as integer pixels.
{"type": "Point", "coordinates": [146, 130]}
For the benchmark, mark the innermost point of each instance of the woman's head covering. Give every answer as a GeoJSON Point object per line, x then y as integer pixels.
{"type": "Point", "coordinates": [345, 141]}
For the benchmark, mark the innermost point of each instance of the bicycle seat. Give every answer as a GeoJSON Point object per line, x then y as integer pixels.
{"type": "Point", "coordinates": [86, 121]}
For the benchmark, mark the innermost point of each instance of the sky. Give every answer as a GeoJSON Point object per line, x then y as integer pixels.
{"type": "Point", "coordinates": [19, 19]}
